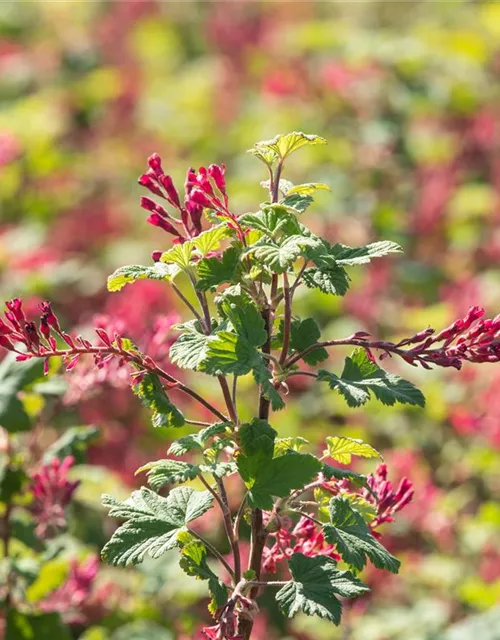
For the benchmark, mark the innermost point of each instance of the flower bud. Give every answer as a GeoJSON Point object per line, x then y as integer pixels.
{"type": "Point", "coordinates": [200, 198]}
{"type": "Point", "coordinates": [216, 172]}
{"type": "Point", "coordinates": [154, 162]}
{"type": "Point", "coordinates": [172, 195]}
{"type": "Point", "coordinates": [157, 221]}
{"type": "Point", "coordinates": [15, 306]}
{"type": "Point", "coordinates": [147, 181]}
{"type": "Point", "coordinates": [156, 255]}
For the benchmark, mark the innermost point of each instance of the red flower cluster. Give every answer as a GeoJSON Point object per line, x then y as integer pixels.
{"type": "Point", "coordinates": [468, 339]}
{"type": "Point", "coordinates": [205, 189]}
{"type": "Point", "coordinates": [52, 492]}
{"type": "Point", "coordinates": [303, 538]}
{"type": "Point", "coordinates": [388, 501]}
{"type": "Point", "coordinates": [69, 599]}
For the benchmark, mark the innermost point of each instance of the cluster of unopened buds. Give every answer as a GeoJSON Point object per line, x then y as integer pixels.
{"type": "Point", "coordinates": [386, 500]}
{"type": "Point", "coordinates": [205, 189]}
{"type": "Point", "coordinates": [52, 492]}
{"type": "Point", "coordinates": [469, 339]}
{"type": "Point", "coordinates": [41, 342]}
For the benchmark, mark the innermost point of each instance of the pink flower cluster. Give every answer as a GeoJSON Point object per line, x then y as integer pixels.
{"type": "Point", "coordinates": [52, 492]}
{"type": "Point", "coordinates": [205, 189]}
{"type": "Point", "coordinates": [71, 597]}
{"type": "Point", "coordinates": [467, 339]}
{"type": "Point", "coordinates": [303, 538]}
{"type": "Point", "coordinates": [388, 500]}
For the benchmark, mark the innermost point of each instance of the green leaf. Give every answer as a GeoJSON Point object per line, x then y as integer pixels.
{"type": "Point", "coordinates": [355, 543]}
{"type": "Point", "coordinates": [342, 448]}
{"type": "Point", "coordinates": [307, 189]}
{"type": "Point", "coordinates": [265, 478]}
{"type": "Point", "coordinates": [13, 479]}
{"type": "Point", "coordinates": [350, 256]}
{"type": "Point", "coordinates": [357, 479]}
{"type": "Point", "coordinates": [284, 445]}
{"type": "Point", "coordinates": [267, 156]}
{"type": "Point", "coordinates": [74, 442]}
{"type": "Point", "coordinates": [210, 240]}
{"type": "Point", "coordinates": [133, 272]}
{"type": "Point", "coordinates": [14, 377]}
{"type": "Point", "coordinates": [228, 353]}
{"type": "Point", "coordinates": [152, 522]}
{"type": "Point", "coordinates": [257, 436]}
{"type": "Point", "coordinates": [362, 376]}
{"type": "Point", "coordinates": [47, 626]}
{"type": "Point", "coordinates": [263, 377]}
{"type": "Point", "coordinates": [193, 562]}
{"type": "Point", "coordinates": [315, 586]}
{"type": "Point", "coordinates": [180, 255]}
{"type": "Point", "coordinates": [332, 279]}
{"type": "Point", "coordinates": [214, 271]}
{"type": "Point", "coordinates": [279, 257]}
{"type": "Point", "coordinates": [271, 220]}
{"type": "Point", "coordinates": [163, 472]}
{"type": "Point", "coordinates": [153, 396]}
{"type": "Point", "coordinates": [219, 469]}
{"type": "Point", "coordinates": [283, 145]}
{"type": "Point", "coordinates": [197, 440]}
{"type": "Point", "coordinates": [299, 202]}
{"type": "Point", "coordinates": [303, 334]}
{"type": "Point", "coordinates": [189, 349]}
{"type": "Point", "coordinates": [245, 317]}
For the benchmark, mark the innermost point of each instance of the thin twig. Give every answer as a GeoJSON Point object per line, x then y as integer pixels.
{"type": "Point", "coordinates": [233, 541]}
{"type": "Point", "coordinates": [234, 398]}
{"type": "Point", "coordinates": [287, 320]}
{"type": "Point", "coordinates": [187, 303]}
{"type": "Point", "coordinates": [239, 515]}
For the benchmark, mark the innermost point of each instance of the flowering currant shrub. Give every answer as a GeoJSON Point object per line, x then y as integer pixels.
{"type": "Point", "coordinates": [311, 521]}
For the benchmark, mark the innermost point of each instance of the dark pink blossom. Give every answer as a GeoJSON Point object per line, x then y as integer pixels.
{"type": "Point", "coordinates": [52, 492]}
{"type": "Point", "coordinates": [388, 500]}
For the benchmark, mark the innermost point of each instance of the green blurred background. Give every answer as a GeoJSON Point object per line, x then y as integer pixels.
{"type": "Point", "coordinates": [408, 96]}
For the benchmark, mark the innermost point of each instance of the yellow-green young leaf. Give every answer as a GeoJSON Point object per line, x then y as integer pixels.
{"type": "Point", "coordinates": [286, 143]}
{"type": "Point", "coordinates": [341, 449]}
{"type": "Point", "coordinates": [210, 240]}
{"type": "Point", "coordinates": [268, 156]}
{"type": "Point", "coordinates": [307, 189]}
{"type": "Point", "coordinates": [365, 508]}
{"type": "Point", "coordinates": [179, 255]}
{"type": "Point", "coordinates": [133, 272]}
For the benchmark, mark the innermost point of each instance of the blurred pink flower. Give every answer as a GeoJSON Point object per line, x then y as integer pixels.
{"type": "Point", "coordinates": [70, 598]}
{"type": "Point", "coordinates": [52, 492]}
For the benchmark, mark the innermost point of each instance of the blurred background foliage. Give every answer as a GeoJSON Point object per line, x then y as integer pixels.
{"type": "Point", "coordinates": [408, 96]}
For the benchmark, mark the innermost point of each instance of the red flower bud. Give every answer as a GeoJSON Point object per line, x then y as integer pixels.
{"type": "Point", "coordinates": [32, 336]}
{"type": "Point", "coordinates": [216, 172]}
{"type": "Point", "coordinates": [157, 221]}
{"type": "Point", "coordinates": [6, 343]}
{"type": "Point", "coordinates": [147, 181]}
{"type": "Point", "coordinates": [50, 316]}
{"type": "Point", "coordinates": [198, 197]}
{"type": "Point", "coordinates": [190, 180]}
{"type": "Point", "coordinates": [156, 255]}
{"type": "Point", "coordinates": [172, 195]}
{"type": "Point", "coordinates": [154, 162]}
